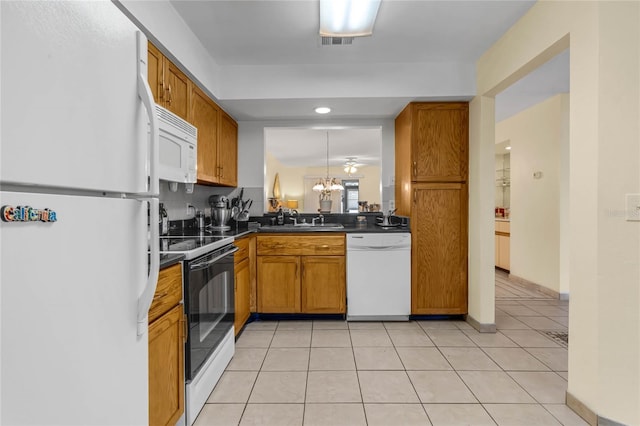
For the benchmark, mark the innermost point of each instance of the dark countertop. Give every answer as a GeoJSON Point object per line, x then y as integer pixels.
{"type": "Point", "coordinates": [167, 260]}
{"type": "Point", "coordinates": [349, 228]}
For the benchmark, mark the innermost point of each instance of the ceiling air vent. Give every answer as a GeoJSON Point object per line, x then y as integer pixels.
{"type": "Point", "coordinates": [336, 41]}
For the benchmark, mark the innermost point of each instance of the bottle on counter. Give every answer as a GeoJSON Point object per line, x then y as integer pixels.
{"type": "Point", "coordinates": [163, 220]}
{"type": "Point", "coordinates": [280, 216]}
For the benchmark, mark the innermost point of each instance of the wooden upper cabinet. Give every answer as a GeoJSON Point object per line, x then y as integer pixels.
{"type": "Point", "coordinates": [436, 140]}
{"type": "Point", "coordinates": [155, 73]}
{"type": "Point", "coordinates": [228, 150]}
{"type": "Point", "coordinates": [169, 85]}
{"type": "Point", "coordinates": [217, 130]}
{"type": "Point", "coordinates": [176, 88]}
{"type": "Point", "coordinates": [204, 114]}
{"type": "Point", "coordinates": [217, 140]}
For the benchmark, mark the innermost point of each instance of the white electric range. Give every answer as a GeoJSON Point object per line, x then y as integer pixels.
{"type": "Point", "coordinates": [208, 279]}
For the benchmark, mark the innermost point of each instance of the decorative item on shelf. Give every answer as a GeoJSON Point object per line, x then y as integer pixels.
{"type": "Point", "coordinates": [276, 187]}
{"type": "Point", "coordinates": [327, 185]}
{"type": "Point", "coordinates": [275, 203]}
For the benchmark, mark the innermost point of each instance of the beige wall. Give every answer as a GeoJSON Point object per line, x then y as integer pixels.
{"type": "Point", "coordinates": [536, 139]}
{"type": "Point", "coordinates": [604, 156]}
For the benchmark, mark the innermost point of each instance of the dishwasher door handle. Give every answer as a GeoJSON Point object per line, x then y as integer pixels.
{"type": "Point", "coordinates": [375, 247]}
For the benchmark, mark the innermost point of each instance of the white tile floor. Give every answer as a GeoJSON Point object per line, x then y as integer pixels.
{"type": "Point", "coordinates": [333, 373]}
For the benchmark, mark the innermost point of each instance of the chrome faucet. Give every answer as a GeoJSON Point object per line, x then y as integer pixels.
{"type": "Point", "coordinates": [320, 217]}
{"type": "Point", "coordinates": [385, 217]}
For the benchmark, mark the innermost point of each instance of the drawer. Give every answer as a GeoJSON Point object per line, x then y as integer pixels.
{"type": "Point", "coordinates": [297, 245]}
{"type": "Point", "coordinates": [168, 292]}
{"type": "Point", "coordinates": [243, 252]}
{"type": "Point", "coordinates": [503, 227]}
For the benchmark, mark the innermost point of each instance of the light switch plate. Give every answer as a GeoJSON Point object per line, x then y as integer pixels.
{"type": "Point", "coordinates": [632, 209]}
{"type": "Point", "coordinates": [392, 204]}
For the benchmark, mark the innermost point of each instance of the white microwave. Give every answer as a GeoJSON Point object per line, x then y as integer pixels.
{"type": "Point", "coordinates": [178, 148]}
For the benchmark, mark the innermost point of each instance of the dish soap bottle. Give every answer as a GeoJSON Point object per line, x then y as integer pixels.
{"type": "Point", "coordinates": [164, 221]}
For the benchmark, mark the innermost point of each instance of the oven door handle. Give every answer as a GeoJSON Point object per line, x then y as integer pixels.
{"type": "Point", "coordinates": [202, 265]}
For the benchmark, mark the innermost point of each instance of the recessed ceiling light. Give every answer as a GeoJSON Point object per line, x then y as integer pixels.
{"type": "Point", "coordinates": [323, 110]}
{"type": "Point", "coordinates": [507, 147]}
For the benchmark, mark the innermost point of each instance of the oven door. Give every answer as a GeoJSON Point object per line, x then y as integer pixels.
{"type": "Point", "coordinates": [209, 304]}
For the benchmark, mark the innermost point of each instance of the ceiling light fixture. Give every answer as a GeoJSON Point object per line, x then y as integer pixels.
{"type": "Point", "coordinates": [350, 166]}
{"type": "Point", "coordinates": [348, 18]}
{"type": "Point", "coordinates": [508, 148]}
{"type": "Point", "coordinates": [323, 110]}
{"type": "Point", "coordinates": [328, 184]}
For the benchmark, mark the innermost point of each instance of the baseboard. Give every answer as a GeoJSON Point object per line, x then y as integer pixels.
{"type": "Point", "coordinates": [482, 328]}
{"type": "Point", "coordinates": [530, 285]}
{"type": "Point", "coordinates": [581, 409]}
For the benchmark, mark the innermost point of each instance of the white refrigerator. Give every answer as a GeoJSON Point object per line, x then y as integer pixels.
{"type": "Point", "coordinates": [77, 183]}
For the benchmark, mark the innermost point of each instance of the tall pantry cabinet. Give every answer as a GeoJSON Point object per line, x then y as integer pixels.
{"type": "Point", "coordinates": [432, 145]}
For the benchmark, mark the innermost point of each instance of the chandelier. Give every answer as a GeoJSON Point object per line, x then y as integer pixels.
{"type": "Point", "coordinates": [327, 184]}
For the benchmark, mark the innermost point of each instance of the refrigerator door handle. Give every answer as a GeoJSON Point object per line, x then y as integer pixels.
{"type": "Point", "coordinates": [153, 189]}
{"type": "Point", "coordinates": [146, 298]}
{"type": "Point", "coordinates": [145, 94]}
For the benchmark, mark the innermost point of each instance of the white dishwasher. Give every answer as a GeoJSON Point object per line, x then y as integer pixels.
{"type": "Point", "coordinates": [379, 276]}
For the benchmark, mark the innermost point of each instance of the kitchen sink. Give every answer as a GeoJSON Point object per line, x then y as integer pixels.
{"type": "Point", "coordinates": [302, 227]}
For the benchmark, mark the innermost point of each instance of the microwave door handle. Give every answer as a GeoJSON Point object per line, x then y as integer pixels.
{"type": "Point", "coordinates": [145, 94]}
{"type": "Point", "coordinates": [202, 265]}
{"type": "Point", "coordinates": [146, 298]}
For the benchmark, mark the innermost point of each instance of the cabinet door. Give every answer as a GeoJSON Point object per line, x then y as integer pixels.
{"type": "Point", "coordinates": [168, 291]}
{"type": "Point", "coordinates": [503, 257]}
{"type": "Point", "coordinates": [176, 86]}
{"type": "Point", "coordinates": [439, 249]}
{"type": "Point", "coordinates": [242, 286]}
{"type": "Point", "coordinates": [253, 275]}
{"type": "Point", "coordinates": [166, 368]}
{"type": "Point", "coordinates": [278, 284]}
{"type": "Point", "coordinates": [155, 74]}
{"type": "Point", "coordinates": [228, 151]}
{"type": "Point", "coordinates": [323, 284]}
{"type": "Point", "coordinates": [440, 140]}
{"type": "Point", "coordinates": [204, 114]}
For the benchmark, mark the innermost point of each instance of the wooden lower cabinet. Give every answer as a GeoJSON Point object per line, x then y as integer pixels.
{"type": "Point", "coordinates": [439, 249]}
{"type": "Point", "coordinates": [242, 287]}
{"type": "Point", "coordinates": [503, 245]}
{"type": "Point", "coordinates": [244, 277]}
{"type": "Point", "coordinates": [278, 284]}
{"type": "Point", "coordinates": [323, 284]}
{"type": "Point", "coordinates": [166, 368]}
{"type": "Point", "coordinates": [167, 324]}
{"type": "Point", "coordinates": [300, 280]}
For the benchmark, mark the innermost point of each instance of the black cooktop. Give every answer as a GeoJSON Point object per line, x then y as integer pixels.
{"type": "Point", "coordinates": [193, 245]}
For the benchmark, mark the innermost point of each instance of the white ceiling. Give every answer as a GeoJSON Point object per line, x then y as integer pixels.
{"type": "Point", "coordinates": [274, 68]}
{"type": "Point", "coordinates": [298, 147]}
